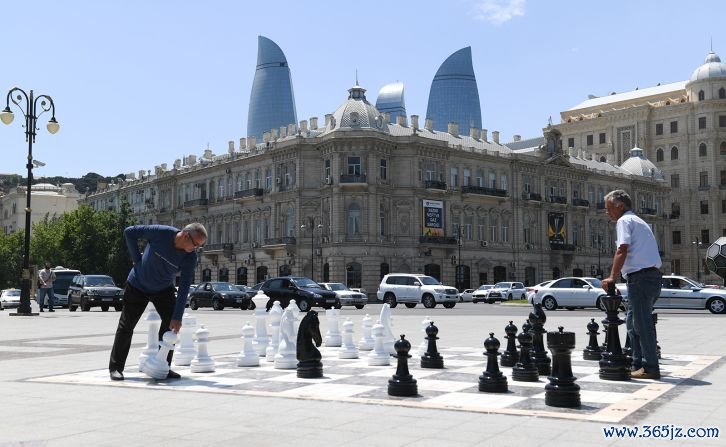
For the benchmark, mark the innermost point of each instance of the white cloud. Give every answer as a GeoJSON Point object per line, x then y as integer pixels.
{"type": "Point", "coordinates": [498, 11]}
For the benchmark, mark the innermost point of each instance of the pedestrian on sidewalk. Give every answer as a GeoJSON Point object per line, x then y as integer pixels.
{"type": "Point", "coordinates": [45, 283]}
{"type": "Point", "coordinates": [168, 251]}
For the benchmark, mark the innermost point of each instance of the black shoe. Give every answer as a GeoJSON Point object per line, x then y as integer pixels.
{"type": "Point", "coordinates": [172, 375]}
{"type": "Point", "coordinates": [41, 309]}
{"type": "Point", "coordinates": [116, 375]}
{"type": "Point", "coordinates": [52, 310]}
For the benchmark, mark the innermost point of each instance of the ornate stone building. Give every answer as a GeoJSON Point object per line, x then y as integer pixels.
{"type": "Point", "coordinates": [46, 200]}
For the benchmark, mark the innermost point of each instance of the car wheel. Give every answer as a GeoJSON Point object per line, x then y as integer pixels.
{"type": "Point", "coordinates": [428, 301]}
{"type": "Point", "coordinates": [359, 306]}
{"type": "Point", "coordinates": [449, 305]}
{"type": "Point", "coordinates": [716, 305]}
{"type": "Point", "coordinates": [410, 305]}
{"type": "Point", "coordinates": [85, 307]}
{"type": "Point", "coordinates": [600, 305]}
{"type": "Point", "coordinates": [303, 305]}
{"type": "Point", "coordinates": [193, 304]}
{"type": "Point", "coordinates": [509, 297]}
{"type": "Point", "coordinates": [474, 300]}
{"type": "Point", "coordinates": [390, 299]}
{"type": "Point", "coordinates": [337, 305]}
{"type": "Point", "coordinates": [72, 308]}
{"type": "Point", "coordinates": [104, 308]}
{"type": "Point", "coordinates": [549, 303]}
{"type": "Point", "coordinates": [118, 307]}
{"type": "Point", "coordinates": [217, 304]}
{"type": "Point", "coordinates": [252, 305]}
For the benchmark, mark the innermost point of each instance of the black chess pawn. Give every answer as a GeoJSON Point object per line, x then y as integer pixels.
{"type": "Point", "coordinates": [402, 383]}
{"type": "Point", "coordinates": [492, 380]}
{"type": "Point", "coordinates": [525, 370]}
{"type": "Point", "coordinates": [539, 354]}
{"type": "Point", "coordinates": [432, 358]}
{"type": "Point", "coordinates": [510, 355]}
{"type": "Point", "coordinates": [526, 326]}
{"type": "Point", "coordinates": [628, 351]}
{"type": "Point", "coordinates": [592, 351]}
{"type": "Point", "coordinates": [613, 363]}
{"type": "Point", "coordinates": [561, 391]}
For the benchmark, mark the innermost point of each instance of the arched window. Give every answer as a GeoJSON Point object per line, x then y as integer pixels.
{"type": "Point", "coordinates": [701, 95]}
{"type": "Point", "coordinates": [433, 270]}
{"type": "Point", "coordinates": [326, 272]}
{"type": "Point", "coordinates": [385, 269]}
{"type": "Point", "coordinates": [603, 159]}
{"type": "Point", "coordinates": [659, 155]}
{"type": "Point", "coordinates": [382, 220]}
{"type": "Point", "coordinates": [722, 148]}
{"type": "Point", "coordinates": [290, 222]}
{"type": "Point", "coordinates": [224, 274]}
{"type": "Point", "coordinates": [354, 220]}
{"type": "Point", "coordinates": [353, 275]}
{"type": "Point", "coordinates": [206, 275]}
{"type": "Point", "coordinates": [702, 150]}
{"type": "Point", "coordinates": [285, 270]}
{"type": "Point", "coordinates": [241, 276]}
{"type": "Point", "coordinates": [529, 276]}
{"type": "Point", "coordinates": [721, 93]}
{"type": "Point", "coordinates": [674, 153]}
{"type": "Point", "coordinates": [261, 273]}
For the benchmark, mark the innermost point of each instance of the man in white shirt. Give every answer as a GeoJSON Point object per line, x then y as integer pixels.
{"type": "Point", "coordinates": [45, 282]}
{"type": "Point", "coordinates": [638, 259]}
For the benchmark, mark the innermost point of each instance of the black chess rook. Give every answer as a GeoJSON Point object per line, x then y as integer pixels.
{"type": "Point", "coordinates": [510, 355]}
{"type": "Point", "coordinates": [402, 384]}
{"type": "Point", "coordinates": [492, 380]}
{"type": "Point", "coordinates": [432, 358]}
{"type": "Point", "coordinates": [592, 351]}
{"type": "Point", "coordinates": [562, 391]}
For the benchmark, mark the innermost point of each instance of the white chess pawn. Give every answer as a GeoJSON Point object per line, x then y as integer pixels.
{"type": "Point", "coordinates": [248, 355]}
{"type": "Point", "coordinates": [388, 338]}
{"type": "Point", "coordinates": [286, 357]}
{"type": "Point", "coordinates": [185, 353]}
{"type": "Point", "coordinates": [332, 336]}
{"type": "Point", "coordinates": [152, 344]}
{"type": "Point", "coordinates": [379, 356]}
{"type": "Point", "coordinates": [157, 367]}
{"type": "Point", "coordinates": [202, 363]}
{"type": "Point", "coordinates": [425, 343]}
{"type": "Point", "coordinates": [366, 342]}
{"type": "Point", "coordinates": [261, 339]}
{"type": "Point", "coordinates": [348, 351]}
{"type": "Point", "coordinates": [275, 316]}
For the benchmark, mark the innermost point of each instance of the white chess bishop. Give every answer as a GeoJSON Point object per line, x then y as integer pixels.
{"type": "Point", "coordinates": [366, 342]}
{"type": "Point", "coordinates": [379, 356]}
{"type": "Point", "coordinates": [348, 350]}
{"type": "Point", "coordinates": [202, 363]}
{"type": "Point", "coordinates": [156, 367]}
{"type": "Point", "coordinates": [248, 355]}
{"type": "Point", "coordinates": [332, 336]}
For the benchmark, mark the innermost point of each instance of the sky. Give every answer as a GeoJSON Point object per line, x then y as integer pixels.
{"type": "Point", "coordinates": [138, 83]}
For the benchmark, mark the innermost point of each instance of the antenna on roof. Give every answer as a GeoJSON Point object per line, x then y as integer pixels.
{"type": "Point", "coordinates": [711, 44]}
{"type": "Point", "coordinates": [356, 76]}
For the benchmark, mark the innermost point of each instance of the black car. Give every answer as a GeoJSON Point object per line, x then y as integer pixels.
{"type": "Point", "coordinates": [89, 291]}
{"type": "Point", "coordinates": [306, 293]}
{"type": "Point", "coordinates": [218, 295]}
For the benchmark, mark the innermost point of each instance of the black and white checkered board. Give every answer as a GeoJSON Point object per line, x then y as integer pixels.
{"type": "Point", "coordinates": [452, 388]}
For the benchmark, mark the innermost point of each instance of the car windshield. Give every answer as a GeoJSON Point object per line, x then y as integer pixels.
{"type": "Point", "coordinates": [224, 287]}
{"type": "Point", "coordinates": [502, 285]}
{"type": "Point", "coordinates": [99, 281]}
{"type": "Point", "coordinates": [11, 293]}
{"type": "Point", "coordinates": [485, 287]}
{"type": "Point", "coordinates": [594, 281]}
{"type": "Point", "coordinates": [336, 286]}
{"type": "Point", "coordinates": [429, 281]}
{"type": "Point", "coordinates": [306, 282]}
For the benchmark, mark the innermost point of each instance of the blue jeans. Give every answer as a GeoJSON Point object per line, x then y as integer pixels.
{"type": "Point", "coordinates": [643, 291]}
{"type": "Point", "coordinates": [41, 297]}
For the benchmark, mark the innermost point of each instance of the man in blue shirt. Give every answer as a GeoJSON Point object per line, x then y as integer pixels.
{"type": "Point", "coordinates": [168, 251]}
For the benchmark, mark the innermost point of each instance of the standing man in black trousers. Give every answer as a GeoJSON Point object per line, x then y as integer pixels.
{"type": "Point", "coordinates": [168, 251]}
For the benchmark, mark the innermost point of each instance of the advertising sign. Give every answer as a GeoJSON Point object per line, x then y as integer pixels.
{"type": "Point", "coordinates": [433, 218]}
{"type": "Point", "coordinates": [556, 228]}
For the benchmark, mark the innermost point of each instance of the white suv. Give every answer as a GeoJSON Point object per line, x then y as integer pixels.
{"type": "Point", "coordinates": [412, 289]}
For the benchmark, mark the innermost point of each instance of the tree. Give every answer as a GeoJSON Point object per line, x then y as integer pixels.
{"type": "Point", "coordinates": [119, 262]}
{"type": "Point", "coordinates": [45, 242]}
{"type": "Point", "coordinates": [11, 254]}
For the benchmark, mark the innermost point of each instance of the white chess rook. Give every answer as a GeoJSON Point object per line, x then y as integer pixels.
{"type": "Point", "coordinates": [366, 342]}
{"type": "Point", "coordinates": [248, 355]}
{"type": "Point", "coordinates": [157, 367]}
{"type": "Point", "coordinates": [186, 351]}
{"type": "Point", "coordinates": [202, 363]}
{"type": "Point", "coordinates": [379, 356]}
{"type": "Point", "coordinates": [348, 351]}
{"type": "Point", "coordinates": [275, 316]}
{"type": "Point", "coordinates": [332, 336]}
{"type": "Point", "coordinates": [152, 343]}
{"type": "Point", "coordinates": [286, 357]}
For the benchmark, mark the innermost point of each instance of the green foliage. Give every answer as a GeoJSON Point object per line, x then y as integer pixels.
{"type": "Point", "coordinates": [11, 254]}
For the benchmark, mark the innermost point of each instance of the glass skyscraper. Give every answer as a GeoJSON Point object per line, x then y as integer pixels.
{"type": "Point", "coordinates": [390, 99]}
{"type": "Point", "coordinates": [272, 102]}
{"type": "Point", "coordinates": [454, 95]}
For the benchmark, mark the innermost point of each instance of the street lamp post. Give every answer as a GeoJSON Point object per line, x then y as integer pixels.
{"type": "Point", "coordinates": [33, 105]}
{"type": "Point", "coordinates": [696, 244]}
{"type": "Point", "coordinates": [599, 251]}
{"type": "Point", "coordinates": [312, 227]}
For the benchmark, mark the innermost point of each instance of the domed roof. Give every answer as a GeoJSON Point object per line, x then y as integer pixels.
{"type": "Point", "coordinates": [712, 68]}
{"type": "Point", "coordinates": [357, 113]}
{"type": "Point", "coordinates": [637, 164]}
{"type": "Point", "coordinates": [44, 187]}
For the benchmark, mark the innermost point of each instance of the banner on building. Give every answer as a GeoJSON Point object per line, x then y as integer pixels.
{"type": "Point", "coordinates": [556, 228]}
{"type": "Point", "coordinates": [433, 218]}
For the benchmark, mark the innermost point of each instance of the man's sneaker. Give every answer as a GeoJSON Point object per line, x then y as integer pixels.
{"type": "Point", "coordinates": [173, 375]}
{"type": "Point", "coordinates": [116, 375]}
{"type": "Point", "coordinates": [643, 374]}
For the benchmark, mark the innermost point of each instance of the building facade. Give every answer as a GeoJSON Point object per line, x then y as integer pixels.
{"type": "Point", "coordinates": [46, 200]}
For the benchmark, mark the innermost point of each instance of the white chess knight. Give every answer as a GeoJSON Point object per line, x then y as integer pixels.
{"type": "Point", "coordinates": [248, 355]}
{"type": "Point", "coordinates": [332, 336]}
{"type": "Point", "coordinates": [379, 356]}
{"type": "Point", "coordinates": [152, 344]}
{"type": "Point", "coordinates": [348, 351]}
{"type": "Point", "coordinates": [202, 362]}
{"type": "Point", "coordinates": [186, 351]}
{"type": "Point", "coordinates": [366, 342]}
{"type": "Point", "coordinates": [386, 321]}
{"type": "Point", "coordinates": [156, 366]}
{"type": "Point", "coordinates": [425, 343]}
{"type": "Point", "coordinates": [261, 339]}
{"type": "Point", "coordinates": [275, 316]}
{"type": "Point", "coordinates": [286, 357]}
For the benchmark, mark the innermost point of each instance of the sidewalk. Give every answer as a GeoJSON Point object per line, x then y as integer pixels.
{"type": "Point", "coordinates": [40, 414]}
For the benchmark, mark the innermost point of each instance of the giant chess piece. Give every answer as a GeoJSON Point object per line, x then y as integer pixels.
{"type": "Point", "coordinates": [539, 354]}
{"type": "Point", "coordinates": [592, 351]}
{"type": "Point", "coordinates": [348, 350]}
{"type": "Point", "coordinates": [379, 356]}
{"type": "Point", "coordinates": [432, 358]}
{"type": "Point", "coordinates": [388, 338]}
{"type": "Point", "coordinates": [492, 380]}
{"type": "Point", "coordinates": [424, 342]}
{"type": "Point", "coordinates": [157, 367]}
{"type": "Point", "coordinates": [286, 357]}
{"type": "Point", "coordinates": [510, 355]}
{"type": "Point", "coordinates": [248, 356]}
{"type": "Point", "coordinates": [202, 363]}
{"type": "Point", "coordinates": [655, 329]}
{"type": "Point", "coordinates": [332, 336]}
{"type": "Point", "coordinates": [525, 370]}
{"type": "Point", "coordinates": [186, 351]}
{"type": "Point", "coordinates": [261, 339]}
{"type": "Point", "coordinates": [295, 314]}
{"type": "Point", "coordinates": [402, 383]}
{"type": "Point", "coordinates": [613, 363]}
{"type": "Point", "coordinates": [366, 342]}
{"type": "Point", "coordinates": [561, 391]}
{"type": "Point", "coordinates": [152, 344]}
{"type": "Point", "coordinates": [275, 317]}
{"type": "Point", "coordinates": [526, 327]}
{"type": "Point", "coordinates": [309, 365]}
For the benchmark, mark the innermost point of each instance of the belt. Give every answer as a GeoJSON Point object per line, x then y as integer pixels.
{"type": "Point", "coordinates": [645, 270]}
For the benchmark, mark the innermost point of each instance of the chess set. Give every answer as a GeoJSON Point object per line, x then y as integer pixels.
{"type": "Point", "coordinates": [381, 370]}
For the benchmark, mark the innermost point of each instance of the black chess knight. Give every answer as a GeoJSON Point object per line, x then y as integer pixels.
{"type": "Point", "coordinates": [309, 365]}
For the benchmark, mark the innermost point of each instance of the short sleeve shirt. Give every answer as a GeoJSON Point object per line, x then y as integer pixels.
{"type": "Point", "coordinates": [642, 247]}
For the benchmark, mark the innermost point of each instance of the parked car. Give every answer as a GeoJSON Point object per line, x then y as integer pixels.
{"type": "Point", "coordinates": [9, 298]}
{"type": "Point", "coordinates": [346, 296]}
{"type": "Point", "coordinates": [87, 291]}
{"type": "Point", "coordinates": [532, 291]}
{"type": "Point", "coordinates": [252, 290]}
{"type": "Point", "coordinates": [682, 292]}
{"type": "Point", "coordinates": [63, 278]}
{"type": "Point", "coordinates": [412, 289]}
{"type": "Point", "coordinates": [306, 293]}
{"type": "Point", "coordinates": [480, 294]}
{"type": "Point", "coordinates": [218, 295]}
{"type": "Point", "coordinates": [466, 296]}
{"type": "Point", "coordinates": [506, 291]}
{"type": "Point", "coordinates": [570, 293]}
